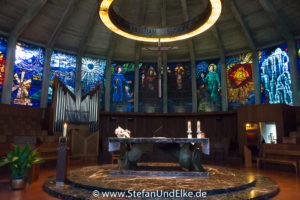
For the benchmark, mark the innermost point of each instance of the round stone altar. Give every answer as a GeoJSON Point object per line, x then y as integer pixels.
{"type": "Point", "coordinates": [222, 182]}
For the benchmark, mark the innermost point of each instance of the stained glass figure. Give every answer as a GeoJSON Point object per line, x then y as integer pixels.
{"type": "Point", "coordinates": [149, 100]}
{"type": "Point", "coordinates": [122, 87]}
{"type": "Point", "coordinates": [179, 87]}
{"type": "Point", "coordinates": [208, 85]}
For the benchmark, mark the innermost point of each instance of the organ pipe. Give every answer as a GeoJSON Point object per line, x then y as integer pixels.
{"type": "Point", "coordinates": [65, 108]}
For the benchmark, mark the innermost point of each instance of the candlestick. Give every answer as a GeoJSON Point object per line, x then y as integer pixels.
{"type": "Point", "coordinates": [189, 126]}
{"type": "Point", "coordinates": [198, 126]}
{"type": "Point", "coordinates": [65, 130]}
{"type": "Point", "coordinates": [199, 135]}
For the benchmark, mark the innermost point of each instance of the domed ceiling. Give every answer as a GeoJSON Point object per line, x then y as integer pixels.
{"type": "Point", "coordinates": [71, 25]}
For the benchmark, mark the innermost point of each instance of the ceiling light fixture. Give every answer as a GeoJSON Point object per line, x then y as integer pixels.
{"type": "Point", "coordinates": [189, 29]}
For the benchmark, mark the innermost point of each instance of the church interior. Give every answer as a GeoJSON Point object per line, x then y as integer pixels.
{"type": "Point", "coordinates": [149, 99]}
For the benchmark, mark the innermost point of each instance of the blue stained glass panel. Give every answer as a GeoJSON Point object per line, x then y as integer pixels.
{"type": "Point", "coordinates": [64, 67]}
{"type": "Point", "coordinates": [122, 87]}
{"type": "Point", "coordinates": [92, 75]}
{"type": "Point", "coordinates": [28, 71]}
{"type": "Point", "coordinates": [275, 75]}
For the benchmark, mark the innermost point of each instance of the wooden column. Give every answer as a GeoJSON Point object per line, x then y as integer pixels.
{"type": "Point", "coordinates": [136, 77]}
{"type": "Point", "coordinates": [46, 74]}
{"type": "Point", "coordinates": [78, 73]}
{"type": "Point", "coordinates": [164, 59]}
{"type": "Point", "coordinates": [108, 84]}
{"type": "Point", "coordinates": [256, 77]}
{"type": "Point", "coordinates": [292, 51]}
{"type": "Point", "coordinates": [9, 70]}
{"type": "Point", "coordinates": [194, 82]}
{"type": "Point", "coordinates": [165, 83]}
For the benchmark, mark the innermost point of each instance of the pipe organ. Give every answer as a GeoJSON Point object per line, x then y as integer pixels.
{"type": "Point", "coordinates": [74, 109]}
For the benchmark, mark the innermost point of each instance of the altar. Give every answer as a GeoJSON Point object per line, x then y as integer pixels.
{"type": "Point", "coordinates": [186, 151]}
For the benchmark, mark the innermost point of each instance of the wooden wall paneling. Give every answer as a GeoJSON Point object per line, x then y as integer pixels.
{"type": "Point", "coordinates": [297, 113]}
{"type": "Point", "coordinates": [173, 125]}
{"type": "Point", "coordinates": [289, 120]}
{"type": "Point", "coordinates": [282, 115]}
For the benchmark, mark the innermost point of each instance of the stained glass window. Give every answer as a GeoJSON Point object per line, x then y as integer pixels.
{"type": "Point", "coordinates": [28, 71]}
{"type": "Point", "coordinates": [240, 88]}
{"type": "Point", "coordinates": [3, 45]}
{"type": "Point", "coordinates": [92, 75]}
{"type": "Point", "coordinates": [64, 67]}
{"type": "Point", "coordinates": [275, 75]}
{"type": "Point", "coordinates": [208, 74]}
{"type": "Point", "coordinates": [179, 87]}
{"type": "Point", "coordinates": [122, 87]}
{"type": "Point", "coordinates": [150, 88]}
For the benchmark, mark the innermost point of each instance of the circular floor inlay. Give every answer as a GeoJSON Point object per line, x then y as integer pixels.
{"type": "Point", "coordinates": [219, 178]}
{"type": "Point", "coordinates": [223, 183]}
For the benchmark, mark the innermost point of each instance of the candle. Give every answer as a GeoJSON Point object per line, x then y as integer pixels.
{"type": "Point", "coordinates": [198, 126]}
{"type": "Point", "coordinates": [189, 126]}
{"type": "Point", "coordinates": [65, 130]}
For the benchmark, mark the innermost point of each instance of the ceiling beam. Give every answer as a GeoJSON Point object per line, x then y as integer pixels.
{"type": "Point", "coordinates": [31, 12]}
{"type": "Point", "coordinates": [88, 29]}
{"type": "Point", "coordinates": [277, 19]}
{"type": "Point", "coordinates": [218, 38]}
{"type": "Point", "coordinates": [61, 23]}
{"type": "Point", "coordinates": [192, 58]}
{"type": "Point", "coordinates": [242, 22]}
{"type": "Point", "coordinates": [164, 13]}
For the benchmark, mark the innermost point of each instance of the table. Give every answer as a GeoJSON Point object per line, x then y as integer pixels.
{"type": "Point", "coordinates": [186, 151]}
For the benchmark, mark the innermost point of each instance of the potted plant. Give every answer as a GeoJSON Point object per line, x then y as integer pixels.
{"type": "Point", "coordinates": [20, 160]}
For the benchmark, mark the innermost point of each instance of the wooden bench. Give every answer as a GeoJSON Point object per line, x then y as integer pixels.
{"type": "Point", "coordinates": [48, 153]}
{"type": "Point", "coordinates": [4, 149]}
{"type": "Point", "coordinates": [282, 154]}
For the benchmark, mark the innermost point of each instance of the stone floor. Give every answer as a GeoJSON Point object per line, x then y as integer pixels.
{"type": "Point", "coordinates": [289, 183]}
{"type": "Point", "coordinates": [222, 183]}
